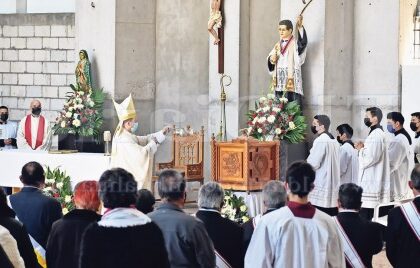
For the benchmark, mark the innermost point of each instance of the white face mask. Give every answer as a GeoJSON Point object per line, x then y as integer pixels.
{"type": "Point", "coordinates": [135, 127]}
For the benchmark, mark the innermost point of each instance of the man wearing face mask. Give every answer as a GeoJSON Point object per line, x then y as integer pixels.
{"type": "Point", "coordinates": [373, 165]}
{"type": "Point", "coordinates": [349, 161]}
{"type": "Point", "coordinates": [415, 126]}
{"type": "Point", "coordinates": [8, 130]}
{"type": "Point", "coordinates": [400, 156]}
{"type": "Point", "coordinates": [134, 153]}
{"type": "Point", "coordinates": [324, 158]}
{"type": "Point", "coordinates": [34, 130]}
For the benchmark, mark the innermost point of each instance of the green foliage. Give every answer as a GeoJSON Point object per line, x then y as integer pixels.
{"type": "Point", "coordinates": [58, 186]}
{"type": "Point", "coordinates": [82, 114]}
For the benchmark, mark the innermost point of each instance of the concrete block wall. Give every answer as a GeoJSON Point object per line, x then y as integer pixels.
{"type": "Point", "coordinates": [37, 61]}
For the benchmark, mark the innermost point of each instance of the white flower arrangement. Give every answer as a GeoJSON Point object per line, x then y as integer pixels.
{"type": "Point", "coordinates": [234, 208]}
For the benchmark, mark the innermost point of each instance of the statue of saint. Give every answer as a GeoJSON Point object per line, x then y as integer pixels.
{"type": "Point", "coordinates": [286, 58]}
{"type": "Point", "coordinates": [215, 20]}
{"type": "Point", "coordinates": [83, 76]}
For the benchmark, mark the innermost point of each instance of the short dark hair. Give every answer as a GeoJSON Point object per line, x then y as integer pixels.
{"type": "Point", "coordinates": [300, 177]}
{"type": "Point", "coordinates": [171, 185]}
{"type": "Point", "coordinates": [145, 201]}
{"type": "Point", "coordinates": [4, 107]}
{"type": "Point", "coordinates": [396, 117]}
{"type": "Point", "coordinates": [287, 23]}
{"type": "Point", "coordinates": [345, 129]}
{"type": "Point", "coordinates": [32, 174]}
{"type": "Point", "coordinates": [117, 188]}
{"type": "Point", "coordinates": [350, 196]}
{"type": "Point", "coordinates": [375, 111]}
{"type": "Point", "coordinates": [416, 114]}
{"type": "Point", "coordinates": [324, 120]}
{"type": "Point", "coordinates": [415, 177]}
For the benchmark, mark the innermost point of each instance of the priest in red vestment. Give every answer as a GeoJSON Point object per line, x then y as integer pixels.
{"type": "Point", "coordinates": [34, 130]}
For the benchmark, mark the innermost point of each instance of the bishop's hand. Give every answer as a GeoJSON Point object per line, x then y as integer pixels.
{"type": "Point", "coordinates": [166, 130]}
{"type": "Point", "coordinates": [359, 145]}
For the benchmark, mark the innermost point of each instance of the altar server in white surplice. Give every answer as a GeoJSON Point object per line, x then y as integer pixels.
{"type": "Point", "coordinates": [325, 159]}
{"type": "Point", "coordinates": [297, 235]}
{"type": "Point", "coordinates": [400, 157]}
{"type": "Point", "coordinates": [415, 126]}
{"type": "Point", "coordinates": [374, 173]}
{"type": "Point", "coordinates": [349, 161]}
{"type": "Point", "coordinates": [134, 153]}
{"type": "Point", "coordinates": [34, 130]}
{"type": "Point", "coordinates": [8, 130]}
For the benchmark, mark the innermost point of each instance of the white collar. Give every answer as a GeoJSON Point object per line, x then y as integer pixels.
{"type": "Point", "coordinates": [347, 210]}
{"type": "Point", "coordinates": [123, 217]}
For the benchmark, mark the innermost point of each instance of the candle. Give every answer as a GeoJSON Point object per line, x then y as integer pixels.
{"type": "Point", "coordinates": [107, 135]}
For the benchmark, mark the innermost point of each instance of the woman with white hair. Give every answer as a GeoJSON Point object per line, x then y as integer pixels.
{"type": "Point", "coordinates": [225, 234]}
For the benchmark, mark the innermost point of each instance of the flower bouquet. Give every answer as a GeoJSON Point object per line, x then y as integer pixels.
{"type": "Point", "coordinates": [82, 113]}
{"type": "Point", "coordinates": [234, 208]}
{"type": "Point", "coordinates": [276, 118]}
{"type": "Point", "coordinates": [58, 186]}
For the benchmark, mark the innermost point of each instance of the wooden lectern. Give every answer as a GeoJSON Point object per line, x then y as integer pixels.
{"type": "Point", "coordinates": [244, 164]}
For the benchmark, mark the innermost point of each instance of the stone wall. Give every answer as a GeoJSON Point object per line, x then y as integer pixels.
{"type": "Point", "coordinates": [37, 61]}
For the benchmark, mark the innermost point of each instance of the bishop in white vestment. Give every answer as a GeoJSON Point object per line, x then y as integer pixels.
{"type": "Point", "coordinates": [324, 158]}
{"type": "Point", "coordinates": [34, 132]}
{"type": "Point", "coordinates": [400, 157]}
{"type": "Point", "coordinates": [134, 153]}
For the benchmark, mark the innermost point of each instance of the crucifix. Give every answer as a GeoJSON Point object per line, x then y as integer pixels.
{"type": "Point", "coordinates": [215, 21]}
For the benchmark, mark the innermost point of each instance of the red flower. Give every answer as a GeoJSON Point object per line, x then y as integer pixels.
{"type": "Point", "coordinates": [84, 119]}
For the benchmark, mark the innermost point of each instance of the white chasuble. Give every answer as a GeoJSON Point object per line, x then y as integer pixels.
{"type": "Point", "coordinates": [324, 158]}
{"type": "Point", "coordinates": [374, 170]}
{"type": "Point", "coordinates": [135, 154]}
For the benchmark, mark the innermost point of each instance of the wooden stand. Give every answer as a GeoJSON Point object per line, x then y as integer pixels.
{"type": "Point", "coordinates": [244, 164]}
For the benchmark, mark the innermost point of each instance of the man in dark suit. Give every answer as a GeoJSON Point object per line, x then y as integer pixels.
{"type": "Point", "coordinates": [225, 234]}
{"type": "Point", "coordinates": [34, 209]}
{"type": "Point", "coordinates": [365, 236]}
{"type": "Point", "coordinates": [402, 241]}
{"type": "Point", "coordinates": [274, 197]}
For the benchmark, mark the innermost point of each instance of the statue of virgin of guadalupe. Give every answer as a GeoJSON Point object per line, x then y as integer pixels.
{"type": "Point", "coordinates": [83, 76]}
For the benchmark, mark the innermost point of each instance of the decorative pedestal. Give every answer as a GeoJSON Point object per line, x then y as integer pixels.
{"type": "Point", "coordinates": [245, 164]}
{"type": "Point", "coordinates": [79, 143]}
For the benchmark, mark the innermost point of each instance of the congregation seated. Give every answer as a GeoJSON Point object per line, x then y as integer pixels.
{"type": "Point", "coordinates": [274, 197]}
{"type": "Point", "coordinates": [225, 234]}
{"type": "Point", "coordinates": [34, 209]}
{"type": "Point", "coordinates": [297, 235]}
{"type": "Point", "coordinates": [145, 201]}
{"type": "Point", "coordinates": [63, 247]}
{"type": "Point", "coordinates": [9, 246]}
{"type": "Point", "coordinates": [124, 237]}
{"type": "Point", "coordinates": [365, 237]}
{"type": "Point", "coordinates": [403, 230]}
{"type": "Point", "coordinates": [18, 231]}
{"type": "Point", "coordinates": [186, 238]}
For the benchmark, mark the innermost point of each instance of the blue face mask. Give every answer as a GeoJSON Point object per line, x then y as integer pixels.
{"type": "Point", "coordinates": [135, 127]}
{"type": "Point", "coordinates": [390, 128]}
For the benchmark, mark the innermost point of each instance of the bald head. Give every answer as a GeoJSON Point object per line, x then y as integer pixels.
{"type": "Point", "coordinates": [35, 107]}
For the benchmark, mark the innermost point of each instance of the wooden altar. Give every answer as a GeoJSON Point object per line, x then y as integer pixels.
{"type": "Point", "coordinates": [244, 164]}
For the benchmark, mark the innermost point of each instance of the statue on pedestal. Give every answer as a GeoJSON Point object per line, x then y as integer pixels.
{"type": "Point", "coordinates": [286, 58]}
{"type": "Point", "coordinates": [83, 75]}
